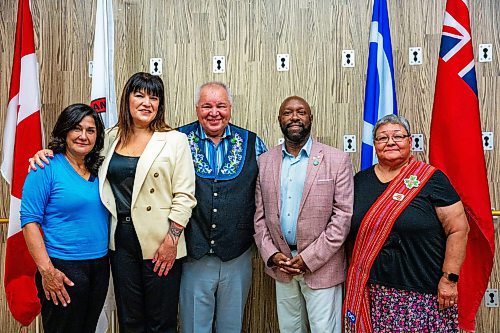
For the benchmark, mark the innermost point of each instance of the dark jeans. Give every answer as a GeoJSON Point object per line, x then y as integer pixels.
{"type": "Point", "coordinates": [145, 301]}
{"type": "Point", "coordinates": [91, 279]}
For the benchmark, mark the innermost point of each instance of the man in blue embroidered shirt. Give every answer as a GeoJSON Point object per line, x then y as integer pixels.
{"type": "Point", "coordinates": [217, 273]}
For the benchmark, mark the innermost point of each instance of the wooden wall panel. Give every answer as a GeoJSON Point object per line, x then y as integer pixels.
{"type": "Point", "coordinates": [186, 34]}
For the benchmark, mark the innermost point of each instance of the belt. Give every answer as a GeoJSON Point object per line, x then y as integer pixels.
{"type": "Point", "coordinates": [125, 219]}
{"type": "Point", "coordinates": [292, 247]}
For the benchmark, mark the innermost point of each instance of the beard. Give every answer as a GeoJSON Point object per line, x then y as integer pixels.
{"type": "Point", "coordinates": [294, 135]}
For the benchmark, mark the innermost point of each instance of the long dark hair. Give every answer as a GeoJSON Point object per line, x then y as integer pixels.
{"type": "Point", "coordinates": [152, 85]}
{"type": "Point", "coordinates": [69, 119]}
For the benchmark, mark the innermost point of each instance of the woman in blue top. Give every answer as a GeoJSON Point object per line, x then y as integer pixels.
{"type": "Point", "coordinates": [63, 201]}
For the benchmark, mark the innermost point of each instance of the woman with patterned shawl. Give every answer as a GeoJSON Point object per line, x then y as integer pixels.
{"type": "Point", "coordinates": [409, 232]}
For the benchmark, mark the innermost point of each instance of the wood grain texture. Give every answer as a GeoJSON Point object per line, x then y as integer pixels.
{"type": "Point", "coordinates": [249, 33]}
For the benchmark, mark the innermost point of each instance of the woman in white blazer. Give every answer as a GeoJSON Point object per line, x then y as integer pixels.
{"type": "Point", "coordinates": [148, 186]}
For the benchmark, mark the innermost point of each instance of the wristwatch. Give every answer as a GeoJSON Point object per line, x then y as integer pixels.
{"type": "Point", "coordinates": [452, 277]}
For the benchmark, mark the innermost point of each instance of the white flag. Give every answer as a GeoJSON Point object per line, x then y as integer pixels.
{"type": "Point", "coordinates": [103, 98]}
{"type": "Point", "coordinates": [103, 94]}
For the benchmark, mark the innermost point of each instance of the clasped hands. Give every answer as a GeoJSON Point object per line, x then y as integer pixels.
{"type": "Point", "coordinates": [292, 266]}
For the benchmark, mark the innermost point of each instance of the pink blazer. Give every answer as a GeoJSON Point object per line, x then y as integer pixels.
{"type": "Point", "coordinates": [324, 214]}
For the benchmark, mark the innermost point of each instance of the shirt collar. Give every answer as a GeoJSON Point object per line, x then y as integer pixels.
{"type": "Point", "coordinates": [304, 151]}
{"type": "Point", "coordinates": [200, 132]}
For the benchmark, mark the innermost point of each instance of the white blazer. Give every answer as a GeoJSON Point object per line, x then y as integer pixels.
{"type": "Point", "coordinates": [163, 189]}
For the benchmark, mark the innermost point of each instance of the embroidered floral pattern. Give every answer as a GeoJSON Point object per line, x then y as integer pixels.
{"type": "Point", "coordinates": [199, 161]}
{"type": "Point", "coordinates": [234, 157]}
{"type": "Point", "coordinates": [231, 151]}
{"type": "Point", "coordinates": [395, 310]}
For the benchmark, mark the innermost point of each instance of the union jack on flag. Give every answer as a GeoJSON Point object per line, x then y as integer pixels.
{"type": "Point", "coordinates": [456, 47]}
{"type": "Point", "coordinates": [456, 148]}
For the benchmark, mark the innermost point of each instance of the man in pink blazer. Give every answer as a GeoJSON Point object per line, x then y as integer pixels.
{"type": "Point", "coordinates": [304, 197]}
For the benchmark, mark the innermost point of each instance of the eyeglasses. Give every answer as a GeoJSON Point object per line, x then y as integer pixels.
{"type": "Point", "coordinates": [395, 138]}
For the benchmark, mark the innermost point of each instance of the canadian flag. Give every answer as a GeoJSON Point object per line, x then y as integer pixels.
{"type": "Point", "coordinates": [22, 139]}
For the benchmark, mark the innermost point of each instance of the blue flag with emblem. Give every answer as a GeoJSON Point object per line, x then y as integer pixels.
{"type": "Point", "coordinates": [380, 91]}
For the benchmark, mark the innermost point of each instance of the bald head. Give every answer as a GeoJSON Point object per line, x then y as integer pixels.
{"type": "Point", "coordinates": [295, 98]}
{"type": "Point", "coordinates": [295, 120]}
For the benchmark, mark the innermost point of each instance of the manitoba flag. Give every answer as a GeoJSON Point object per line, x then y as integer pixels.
{"type": "Point", "coordinates": [103, 96]}
{"type": "Point", "coordinates": [456, 148]}
{"type": "Point", "coordinates": [22, 139]}
{"type": "Point", "coordinates": [103, 100]}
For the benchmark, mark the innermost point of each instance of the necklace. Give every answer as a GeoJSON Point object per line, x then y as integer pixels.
{"type": "Point", "coordinates": [136, 144]}
{"type": "Point", "coordinates": [385, 175]}
{"type": "Point", "coordinates": [131, 150]}
{"type": "Point", "coordinates": [81, 170]}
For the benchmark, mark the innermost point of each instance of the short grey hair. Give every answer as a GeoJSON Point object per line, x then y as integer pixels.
{"type": "Point", "coordinates": [392, 119]}
{"type": "Point", "coordinates": [212, 83]}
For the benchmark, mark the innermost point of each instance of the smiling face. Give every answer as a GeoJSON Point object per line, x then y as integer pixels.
{"type": "Point", "coordinates": [213, 110]}
{"type": "Point", "coordinates": [143, 108]}
{"type": "Point", "coordinates": [81, 139]}
{"type": "Point", "coordinates": [392, 153]}
{"type": "Point", "coordinates": [295, 119]}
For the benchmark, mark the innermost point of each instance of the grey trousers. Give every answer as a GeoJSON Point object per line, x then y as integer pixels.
{"type": "Point", "coordinates": [214, 293]}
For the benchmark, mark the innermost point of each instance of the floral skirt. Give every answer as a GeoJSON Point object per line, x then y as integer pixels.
{"type": "Point", "coordinates": [395, 310]}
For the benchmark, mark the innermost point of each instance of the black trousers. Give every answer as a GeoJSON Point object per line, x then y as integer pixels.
{"type": "Point", "coordinates": [91, 279]}
{"type": "Point", "coordinates": [146, 303]}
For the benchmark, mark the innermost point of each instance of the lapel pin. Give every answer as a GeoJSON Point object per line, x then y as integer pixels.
{"type": "Point", "coordinates": [412, 182]}
{"type": "Point", "coordinates": [316, 160]}
{"type": "Point", "coordinates": [398, 196]}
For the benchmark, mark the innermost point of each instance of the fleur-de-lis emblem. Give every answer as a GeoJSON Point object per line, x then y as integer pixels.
{"type": "Point", "coordinates": [412, 182]}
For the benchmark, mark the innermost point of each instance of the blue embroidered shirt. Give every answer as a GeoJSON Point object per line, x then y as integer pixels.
{"type": "Point", "coordinates": [216, 154]}
{"type": "Point", "coordinates": [293, 176]}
